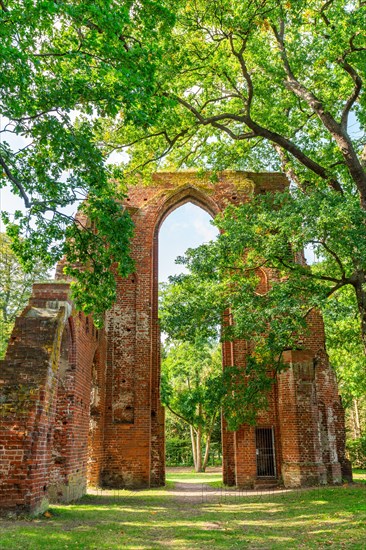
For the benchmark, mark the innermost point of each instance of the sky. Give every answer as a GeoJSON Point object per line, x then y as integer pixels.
{"type": "Point", "coordinates": [186, 227]}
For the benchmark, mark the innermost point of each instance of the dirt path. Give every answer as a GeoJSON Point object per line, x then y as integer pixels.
{"type": "Point", "coordinates": [192, 492]}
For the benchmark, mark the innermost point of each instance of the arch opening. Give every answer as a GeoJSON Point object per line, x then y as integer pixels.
{"type": "Point", "coordinates": [186, 224]}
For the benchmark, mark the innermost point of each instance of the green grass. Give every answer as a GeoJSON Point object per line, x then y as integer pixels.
{"type": "Point", "coordinates": [359, 476]}
{"type": "Point", "coordinates": [156, 520]}
{"type": "Point", "coordinates": [190, 476]}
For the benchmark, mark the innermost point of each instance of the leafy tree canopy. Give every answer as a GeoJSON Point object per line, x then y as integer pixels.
{"type": "Point", "coordinates": [191, 388]}
{"type": "Point", "coordinates": [267, 84]}
{"type": "Point", "coordinates": [64, 66]}
{"type": "Point", "coordinates": [244, 83]}
{"type": "Point", "coordinates": [192, 326]}
{"type": "Point", "coordinates": [255, 84]}
{"type": "Point", "coordinates": [344, 345]}
{"type": "Point", "coordinates": [15, 288]}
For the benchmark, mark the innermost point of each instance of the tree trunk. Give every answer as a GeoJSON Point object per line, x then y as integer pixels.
{"type": "Point", "coordinates": [207, 452]}
{"type": "Point", "coordinates": [199, 449]}
{"type": "Point", "coordinates": [194, 448]}
{"type": "Point", "coordinates": [361, 304]}
{"type": "Point", "coordinates": [356, 419]}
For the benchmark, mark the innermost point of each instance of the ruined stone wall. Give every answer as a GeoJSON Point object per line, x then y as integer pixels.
{"type": "Point", "coordinates": [73, 399]}
{"type": "Point", "coordinates": [44, 403]}
{"type": "Point", "coordinates": [305, 413]}
{"type": "Point", "coordinates": [134, 428]}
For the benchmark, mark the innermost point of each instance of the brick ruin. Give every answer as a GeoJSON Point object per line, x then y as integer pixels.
{"type": "Point", "coordinates": [78, 404]}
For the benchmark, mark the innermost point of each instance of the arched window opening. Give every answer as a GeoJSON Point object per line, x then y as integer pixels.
{"type": "Point", "coordinates": [193, 437]}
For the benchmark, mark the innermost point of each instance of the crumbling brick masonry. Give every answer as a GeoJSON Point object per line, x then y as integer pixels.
{"type": "Point", "coordinates": [76, 402]}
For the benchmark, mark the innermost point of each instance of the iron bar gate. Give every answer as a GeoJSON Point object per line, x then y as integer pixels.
{"type": "Point", "coordinates": [264, 443]}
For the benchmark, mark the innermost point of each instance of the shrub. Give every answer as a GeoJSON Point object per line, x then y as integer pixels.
{"type": "Point", "coordinates": [356, 449]}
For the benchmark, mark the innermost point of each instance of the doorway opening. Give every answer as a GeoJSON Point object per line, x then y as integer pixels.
{"type": "Point", "coordinates": [186, 366]}
{"type": "Point", "coordinates": [264, 443]}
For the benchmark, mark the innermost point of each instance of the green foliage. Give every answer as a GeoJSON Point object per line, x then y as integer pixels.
{"type": "Point", "coordinates": [269, 85]}
{"type": "Point", "coordinates": [175, 428]}
{"type": "Point", "coordinates": [237, 78]}
{"type": "Point", "coordinates": [178, 452]}
{"type": "Point", "coordinates": [270, 232]}
{"type": "Point", "coordinates": [191, 389]}
{"type": "Point", "coordinates": [64, 67]}
{"type": "Point", "coordinates": [257, 84]}
{"type": "Point", "coordinates": [191, 383]}
{"type": "Point", "coordinates": [15, 288]}
{"type": "Point", "coordinates": [356, 449]}
{"type": "Point", "coordinates": [344, 345]}
{"type": "Point", "coordinates": [185, 314]}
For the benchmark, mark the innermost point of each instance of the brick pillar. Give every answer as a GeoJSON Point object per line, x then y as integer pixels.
{"type": "Point", "coordinates": [128, 413]}
{"type": "Point", "coordinates": [346, 466]}
{"type": "Point", "coordinates": [331, 422]}
{"type": "Point", "coordinates": [246, 465]}
{"type": "Point", "coordinates": [228, 437]}
{"type": "Point", "coordinates": [228, 454]}
{"type": "Point", "coordinates": [28, 388]}
{"type": "Point", "coordinates": [157, 474]}
{"type": "Point", "coordinates": [298, 416]}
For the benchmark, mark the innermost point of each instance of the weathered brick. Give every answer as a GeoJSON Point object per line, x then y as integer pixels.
{"type": "Point", "coordinates": [76, 402]}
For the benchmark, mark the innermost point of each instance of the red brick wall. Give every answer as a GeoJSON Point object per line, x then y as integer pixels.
{"type": "Point", "coordinates": [28, 385]}
{"type": "Point", "coordinates": [45, 392]}
{"type": "Point", "coordinates": [135, 444]}
{"type": "Point", "coordinates": [74, 399]}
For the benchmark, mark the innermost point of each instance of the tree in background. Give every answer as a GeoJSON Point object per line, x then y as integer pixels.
{"type": "Point", "coordinates": [270, 85]}
{"type": "Point", "coordinates": [191, 389]}
{"type": "Point", "coordinates": [64, 65]}
{"type": "Point", "coordinates": [192, 312]}
{"type": "Point", "coordinates": [344, 347]}
{"type": "Point", "coordinates": [15, 288]}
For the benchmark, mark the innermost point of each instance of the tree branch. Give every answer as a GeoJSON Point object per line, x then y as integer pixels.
{"type": "Point", "coordinates": [171, 143]}
{"type": "Point", "coordinates": [244, 70]}
{"type": "Point", "coordinates": [323, 9]}
{"type": "Point", "coordinates": [335, 256]}
{"type": "Point", "coordinates": [178, 415]}
{"type": "Point", "coordinates": [335, 129]}
{"type": "Point", "coordinates": [355, 92]}
{"type": "Point", "coordinates": [16, 182]}
{"type": "Point", "coordinates": [260, 131]}
{"type": "Point", "coordinates": [307, 273]}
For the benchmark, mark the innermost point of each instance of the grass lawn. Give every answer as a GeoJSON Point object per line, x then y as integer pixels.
{"type": "Point", "coordinates": [158, 519]}
{"type": "Point", "coordinates": [359, 476]}
{"type": "Point", "coordinates": [212, 476]}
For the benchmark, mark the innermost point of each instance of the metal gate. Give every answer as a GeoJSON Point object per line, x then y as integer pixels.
{"type": "Point", "coordinates": [264, 443]}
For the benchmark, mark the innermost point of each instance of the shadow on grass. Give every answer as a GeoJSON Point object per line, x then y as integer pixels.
{"type": "Point", "coordinates": [317, 518]}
